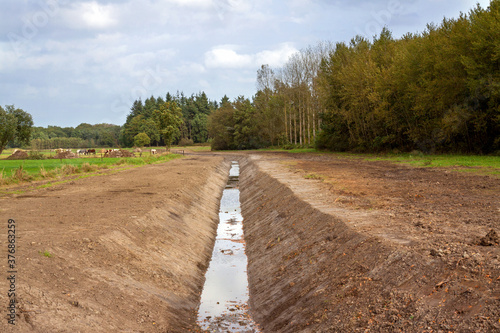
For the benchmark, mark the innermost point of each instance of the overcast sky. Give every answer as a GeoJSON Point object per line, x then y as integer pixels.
{"type": "Point", "coordinates": [71, 61]}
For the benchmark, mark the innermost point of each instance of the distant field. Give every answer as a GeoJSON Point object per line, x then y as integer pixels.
{"type": "Point", "coordinates": [466, 163]}
{"type": "Point", "coordinates": [12, 171]}
{"type": "Point", "coordinates": [192, 148]}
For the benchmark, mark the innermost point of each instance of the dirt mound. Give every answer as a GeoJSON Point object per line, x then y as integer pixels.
{"type": "Point", "coordinates": [64, 155]}
{"type": "Point", "coordinates": [490, 239]}
{"type": "Point", "coordinates": [18, 155]}
{"type": "Point", "coordinates": [119, 153]}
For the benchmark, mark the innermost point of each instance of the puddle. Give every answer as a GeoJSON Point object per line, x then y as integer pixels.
{"type": "Point", "coordinates": [224, 301]}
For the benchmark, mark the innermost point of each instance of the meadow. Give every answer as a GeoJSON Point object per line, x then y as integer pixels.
{"type": "Point", "coordinates": [15, 171]}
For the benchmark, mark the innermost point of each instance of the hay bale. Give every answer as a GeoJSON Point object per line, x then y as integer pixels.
{"type": "Point", "coordinates": [18, 155]}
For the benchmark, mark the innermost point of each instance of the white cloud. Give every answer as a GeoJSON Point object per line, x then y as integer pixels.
{"type": "Point", "coordinates": [90, 15]}
{"type": "Point", "coordinates": [192, 3]}
{"type": "Point", "coordinates": [277, 57]}
{"type": "Point", "coordinates": [225, 56]}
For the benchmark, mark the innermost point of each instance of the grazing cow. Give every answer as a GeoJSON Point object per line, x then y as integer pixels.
{"type": "Point", "coordinates": [82, 151]}
{"type": "Point", "coordinates": [91, 151]}
{"type": "Point", "coordinates": [153, 151]}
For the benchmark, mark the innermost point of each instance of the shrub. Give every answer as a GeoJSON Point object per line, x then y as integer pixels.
{"type": "Point", "coordinates": [86, 167]}
{"type": "Point", "coordinates": [186, 142]}
{"type": "Point", "coordinates": [21, 174]}
{"type": "Point", "coordinates": [68, 169]}
{"type": "Point", "coordinates": [36, 155]}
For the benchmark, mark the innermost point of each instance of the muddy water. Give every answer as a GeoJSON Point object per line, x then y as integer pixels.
{"type": "Point", "coordinates": [223, 306]}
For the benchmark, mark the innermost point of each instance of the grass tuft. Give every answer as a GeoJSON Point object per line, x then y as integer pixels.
{"type": "Point", "coordinates": [46, 254]}
{"type": "Point", "coordinates": [87, 167]}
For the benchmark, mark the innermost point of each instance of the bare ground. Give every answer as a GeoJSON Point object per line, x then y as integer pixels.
{"type": "Point", "coordinates": [122, 252]}
{"type": "Point", "coordinates": [334, 245]}
{"type": "Point", "coordinates": [343, 245]}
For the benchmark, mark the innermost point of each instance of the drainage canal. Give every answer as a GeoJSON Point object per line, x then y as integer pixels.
{"type": "Point", "coordinates": [224, 301]}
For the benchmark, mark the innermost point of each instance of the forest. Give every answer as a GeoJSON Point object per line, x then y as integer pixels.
{"type": "Point", "coordinates": [437, 91]}
{"type": "Point", "coordinates": [190, 126]}
{"type": "Point", "coordinates": [190, 122]}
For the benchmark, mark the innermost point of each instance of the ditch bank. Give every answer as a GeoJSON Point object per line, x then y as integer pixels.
{"type": "Point", "coordinates": [310, 271]}
{"type": "Point", "coordinates": [125, 252]}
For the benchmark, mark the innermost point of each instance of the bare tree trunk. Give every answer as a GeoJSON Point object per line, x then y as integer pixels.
{"type": "Point", "coordinates": [308, 125]}
{"type": "Point", "coordinates": [295, 128]}
{"type": "Point", "coordinates": [301, 122]}
{"type": "Point", "coordinates": [286, 123]}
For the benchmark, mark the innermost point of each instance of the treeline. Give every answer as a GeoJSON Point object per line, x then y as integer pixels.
{"type": "Point", "coordinates": [83, 136]}
{"type": "Point", "coordinates": [192, 128]}
{"type": "Point", "coordinates": [434, 91]}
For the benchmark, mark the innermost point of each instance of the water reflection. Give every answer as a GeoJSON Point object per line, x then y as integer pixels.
{"type": "Point", "coordinates": [223, 306]}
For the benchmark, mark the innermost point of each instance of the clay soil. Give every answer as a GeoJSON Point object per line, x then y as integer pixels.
{"type": "Point", "coordinates": [122, 251]}
{"type": "Point", "coordinates": [334, 245]}
{"type": "Point", "coordinates": [347, 245]}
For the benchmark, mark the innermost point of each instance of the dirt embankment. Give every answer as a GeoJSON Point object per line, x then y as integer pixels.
{"type": "Point", "coordinates": [348, 268]}
{"type": "Point", "coordinates": [125, 252]}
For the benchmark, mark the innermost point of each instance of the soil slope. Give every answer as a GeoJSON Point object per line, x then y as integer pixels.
{"type": "Point", "coordinates": [342, 245]}
{"type": "Point", "coordinates": [123, 252]}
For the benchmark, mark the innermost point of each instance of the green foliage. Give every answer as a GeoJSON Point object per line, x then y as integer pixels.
{"type": "Point", "coordinates": [185, 142]}
{"type": "Point", "coordinates": [434, 91]}
{"type": "Point", "coordinates": [15, 125]}
{"type": "Point", "coordinates": [168, 120]}
{"type": "Point", "coordinates": [221, 127]}
{"type": "Point", "coordinates": [142, 140]}
{"type": "Point", "coordinates": [437, 91]}
{"type": "Point", "coordinates": [235, 126]}
{"type": "Point", "coordinates": [83, 136]}
{"type": "Point", "coordinates": [194, 114]}
{"type": "Point", "coordinates": [36, 155]}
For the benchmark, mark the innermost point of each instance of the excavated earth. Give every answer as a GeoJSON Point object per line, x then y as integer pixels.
{"type": "Point", "coordinates": [119, 252]}
{"type": "Point", "coordinates": [333, 244]}
{"type": "Point", "coordinates": [346, 245]}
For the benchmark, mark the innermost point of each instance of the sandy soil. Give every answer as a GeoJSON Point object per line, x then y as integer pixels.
{"type": "Point", "coordinates": [124, 252]}
{"type": "Point", "coordinates": [343, 245]}
{"type": "Point", "coordinates": [334, 245]}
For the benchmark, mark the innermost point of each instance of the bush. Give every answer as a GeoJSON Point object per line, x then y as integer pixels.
{"type": "Point", "coordinates": [44, 173]}
{"type": "Point", "coordinates": [186, 142]}
{"type": "Point", "coordinates": [86, 167]}
{"type": "Point", "coordinates": [21, 174]}
{"type": "Point", "coordinates": [69, 169]}
{"type": "Point", "coordinates": [36, 155]}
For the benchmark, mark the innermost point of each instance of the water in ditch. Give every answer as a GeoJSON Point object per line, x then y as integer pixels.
{"type": "Point", "coordinates": [224, 301]}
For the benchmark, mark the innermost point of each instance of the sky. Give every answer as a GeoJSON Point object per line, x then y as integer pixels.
{"type": "Point", "coordinates": [68, 62]}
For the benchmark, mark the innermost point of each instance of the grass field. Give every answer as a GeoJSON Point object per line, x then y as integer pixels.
{"type": "Point", "coordinates": [15, 171]}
